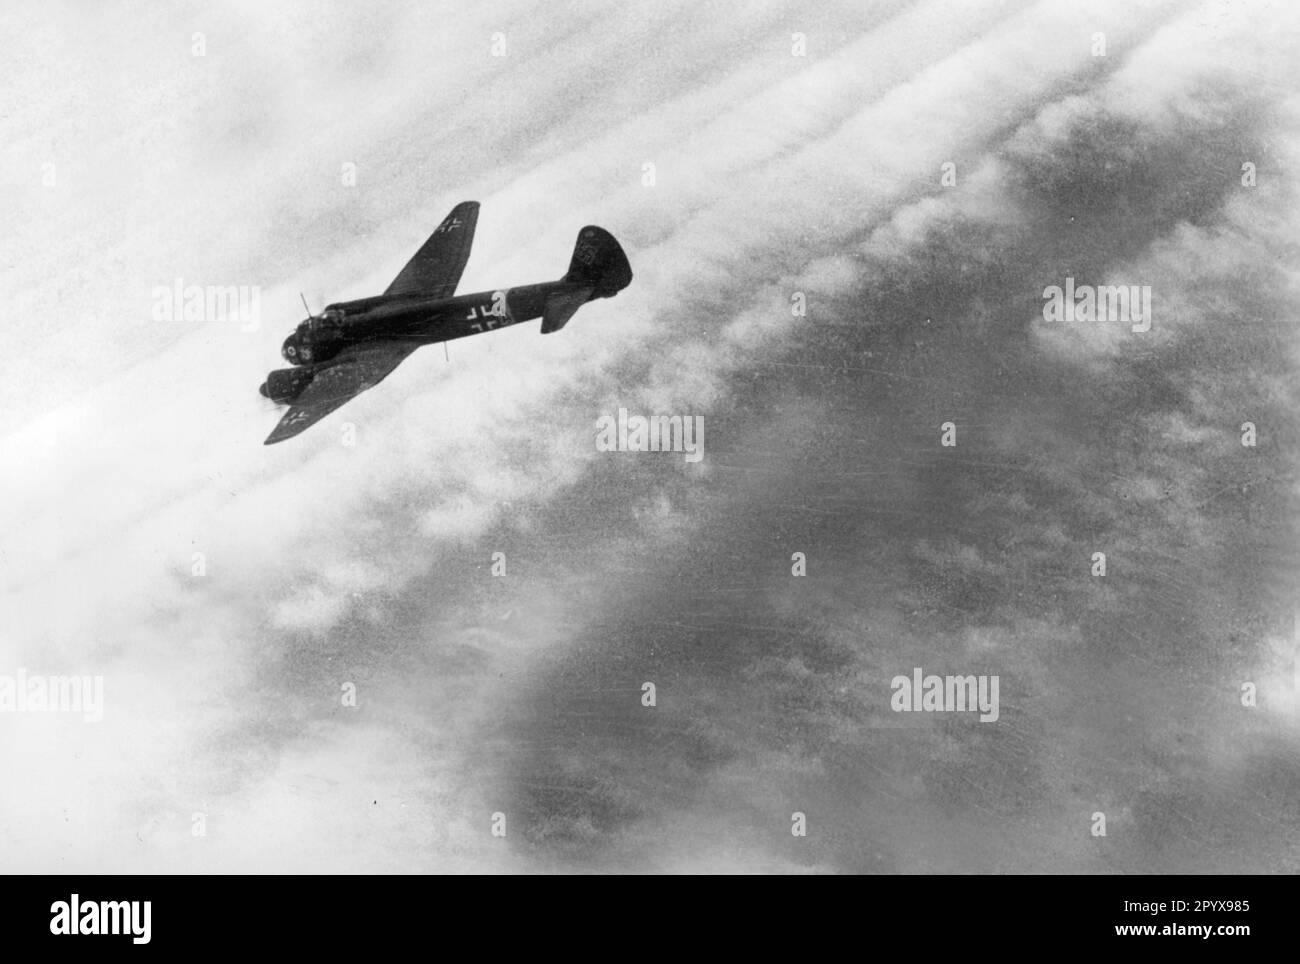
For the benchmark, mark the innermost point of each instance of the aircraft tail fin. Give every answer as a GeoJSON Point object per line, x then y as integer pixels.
{"type": "Point", "coordinates": [599, 261]}
{"type": "Point", "coordinates": [599, 269]}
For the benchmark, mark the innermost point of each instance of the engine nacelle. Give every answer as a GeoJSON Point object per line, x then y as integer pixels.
{"type": "Point", "coordinates": [286, 384]}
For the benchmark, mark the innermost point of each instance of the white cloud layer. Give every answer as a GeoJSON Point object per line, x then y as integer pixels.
{"type": "Point", "coordinates": [129, 445]}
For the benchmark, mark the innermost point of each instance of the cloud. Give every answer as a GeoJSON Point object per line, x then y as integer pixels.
{"type": "Point", "coordinates": [326, 565]}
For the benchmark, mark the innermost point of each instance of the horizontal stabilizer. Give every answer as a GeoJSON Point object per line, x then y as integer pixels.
{"type": "Point", "coordinates": [560, 307]}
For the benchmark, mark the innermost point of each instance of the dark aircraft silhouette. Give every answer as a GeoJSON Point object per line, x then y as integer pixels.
{"type": "Point", "coordinates": [353, 345]}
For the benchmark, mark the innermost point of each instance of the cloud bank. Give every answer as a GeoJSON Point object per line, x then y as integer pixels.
{"type": "Point", "coordinates": [132, 448]}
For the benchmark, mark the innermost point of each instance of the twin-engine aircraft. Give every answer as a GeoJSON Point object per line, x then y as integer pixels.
{"type": "Point", "coordinates": [353, 345]}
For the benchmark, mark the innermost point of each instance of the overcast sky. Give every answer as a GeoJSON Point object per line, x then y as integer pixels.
{"type": "Point", "coordinates": [311, 149]}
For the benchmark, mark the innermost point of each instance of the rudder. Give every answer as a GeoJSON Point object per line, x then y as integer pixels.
{"type": "Point", "coordinates": [599, 262]}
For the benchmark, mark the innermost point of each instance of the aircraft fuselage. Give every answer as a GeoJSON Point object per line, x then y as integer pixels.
{"type": "Point", "coordinates": [415, 320]}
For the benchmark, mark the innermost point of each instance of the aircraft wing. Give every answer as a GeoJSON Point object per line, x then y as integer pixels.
{"type": "Point", "coordinates": [437, 266]}
{"type": "Point", "coordinates": [338, 382]}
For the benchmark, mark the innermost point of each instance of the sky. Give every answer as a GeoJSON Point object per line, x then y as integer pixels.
{"type": "Point", "coordinates": [308, 661]}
